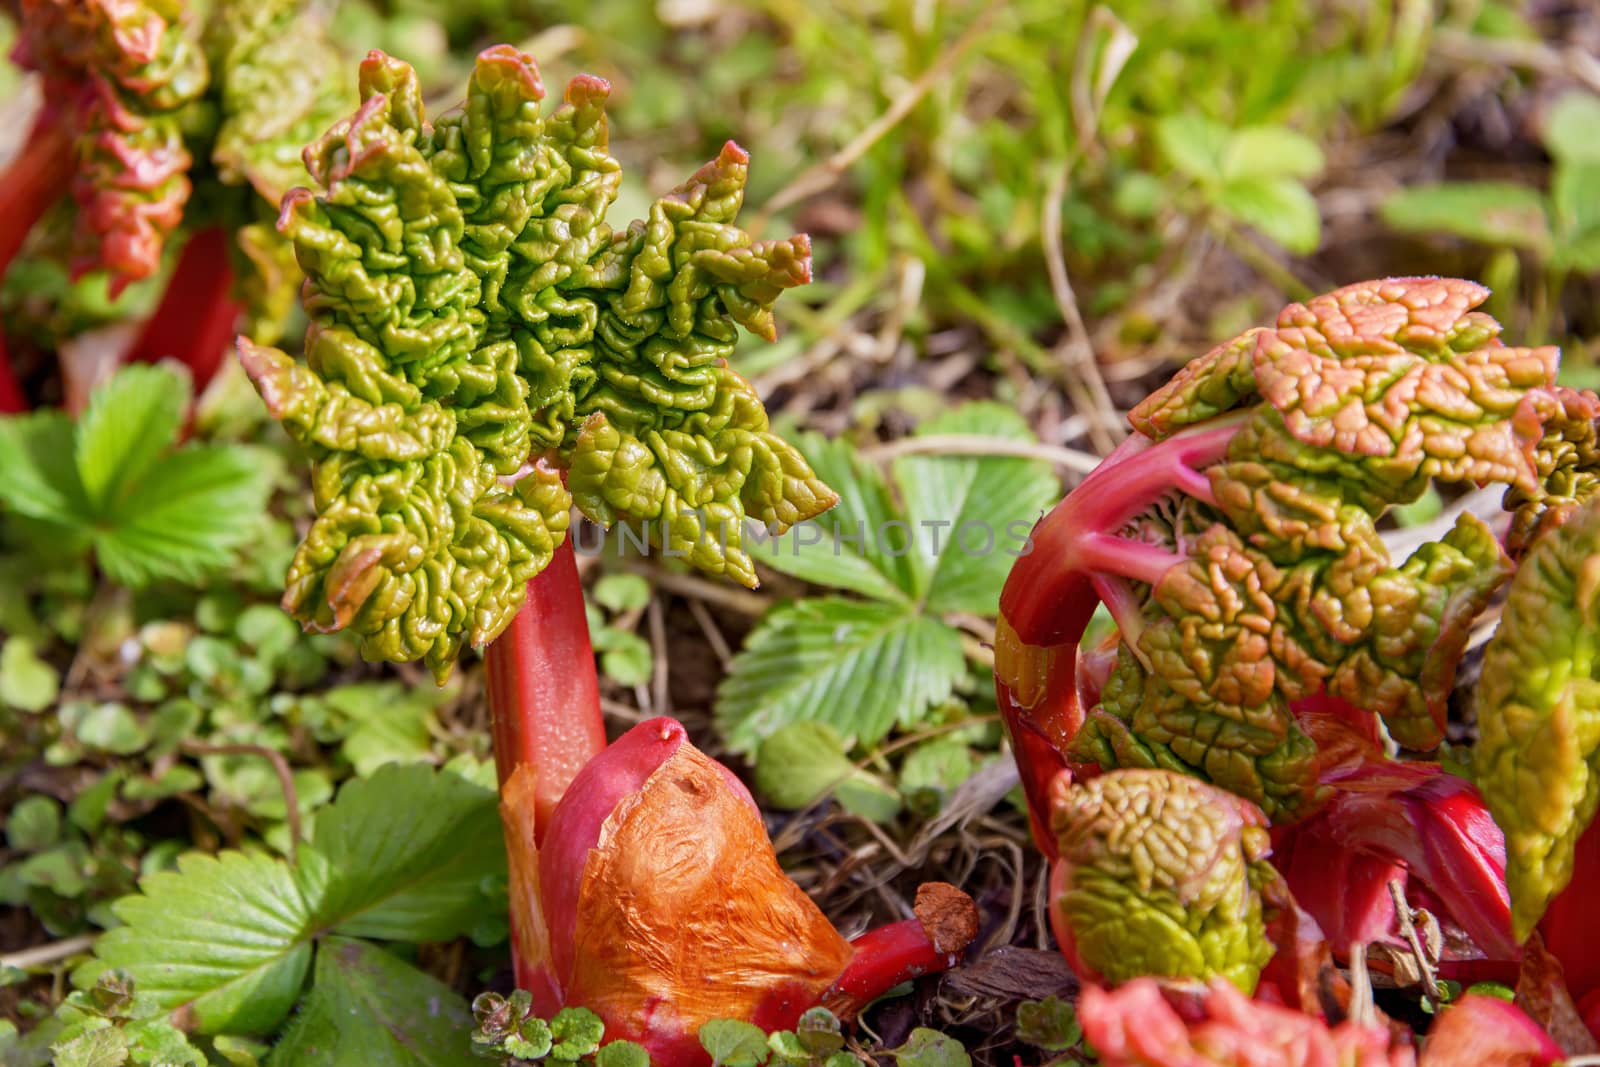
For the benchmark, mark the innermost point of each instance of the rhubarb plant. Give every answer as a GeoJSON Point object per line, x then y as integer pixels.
{"type": "Point", "coordinates": [472, 315]}
{"type": "Point", "coordinates": [135, 94]}
{"type": "Point", "coordinates": [1234, 539]}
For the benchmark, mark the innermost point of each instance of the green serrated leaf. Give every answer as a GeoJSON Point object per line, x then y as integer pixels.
{"type": "Point", "coordinates": [1281, 208]}
{"type": "Point", "coordinates": [404, 855]}
{"type": "Point", "coordinates": [805, 760]}
{"type": "Point", "coordinates": [1495, 213]}
{"type": "Point", "coordinates": [27, 682]}
{"type": "Point", "coordinates": [972, 515]}
{"type": "Point", "coordinates": [192, 510]}
{"type": "Point", "coordinates": [1270, 152]}
{"type": "Point", "coordinates": [368, 1007]}
{"type": "Point", "coordinates": [37, 475]}
{"type": "Point", "coordinates": [222, 940]}
{"type": "Point", "coordinates": [1194, 145]}
{"type": "Point", "coordinates": [860, 667]}
{"type": "Point", "coordinates": [734, 1043]}
{"type": "Point", "coordinates": [105, 1047]}
{"type": "Point", "coordinates": [130, 421]}
{"type": "Point", "coordinates": [861, 545]}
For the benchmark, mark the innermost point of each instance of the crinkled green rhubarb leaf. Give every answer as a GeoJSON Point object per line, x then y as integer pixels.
{"type": "Point", "coordinates": [471, 310]}
{"type": "Point", "coordinates": [1538, 750]}
{"type": "Point", "coordinates": [120, 71]}
{"type": "Point", "coordinates": [1159, 874]}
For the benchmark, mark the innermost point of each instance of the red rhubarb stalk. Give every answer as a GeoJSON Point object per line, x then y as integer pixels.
{"type": "Point", "coordinates": [946, 922]}
{"type": "Point", "coordinates": [1075, 563]}
{"type": "Point", "coordinates": [194, 323]}
{"type": "Point", "coordinates": [35, 180]}
{"type": "Point", "coordinates": [544, 697]}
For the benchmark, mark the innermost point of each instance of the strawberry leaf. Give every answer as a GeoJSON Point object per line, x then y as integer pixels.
{"type": "Point", "coordinates": [411, 875]}
{"type": "Point", "coordinates": [224, 941]}
{"type": "Point", "coordinates": [131, 420]}
{"type": "Point", "coordinates": [366, 1006]}
{"type": "Point", "coordinates": [859, 667]}
{"type": "Point", "coordinates": [186, 517]}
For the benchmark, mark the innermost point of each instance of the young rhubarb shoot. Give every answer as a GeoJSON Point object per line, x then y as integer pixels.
{"type": "Point", "coordinates": [1158, 874]}
{"type": "Point", "coordinates": [1234, 539]}
{"type": "Point", "coordinates": [656, 901]}
{"type": "Point", "coordinates": [117, 73]}
{"type": "Point", "coordinates": [484, 352]}
{"type": "Point", "coordinates": [196, 317]}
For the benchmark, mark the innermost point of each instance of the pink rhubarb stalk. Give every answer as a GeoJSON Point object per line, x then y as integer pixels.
{"type": "Point", "coordinates": [544, 696]}
{"type": "Point", "coordinates": [1077, 561]}
{"type": "Point", "coordinates": [194, 323]}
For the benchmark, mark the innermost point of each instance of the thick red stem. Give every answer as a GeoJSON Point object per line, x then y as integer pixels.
{"type": "Point", "coordinates": [884, 958]}
{"type": "Point", "coordinates": [544, 696]}
{"type": "Point", "coordinates": [1048, 597]}
{"type": "Point", "coordinates": [1052, 592]}
{"type": "Point", "coordinates": [35, 180]}
{"type": "Point", "coordinates": [195, 320]}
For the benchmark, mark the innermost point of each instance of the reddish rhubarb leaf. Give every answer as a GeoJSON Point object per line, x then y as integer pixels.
{"type": "Point", "coordinates": [1234, 539]}
{"type": "Point", "coordinates": [1136, 1026]}
{"type": "Point", "coordinates": [117, 73]}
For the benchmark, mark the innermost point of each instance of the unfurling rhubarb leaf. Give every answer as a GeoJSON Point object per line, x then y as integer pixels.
{"type": "Point", "coordinates": [119, 71]}
{"type": "Point", "coordinates": [655, 900]}
{"type": "Point", "coordinates": [1539, 714]}
{"type": "Point", "coordinates": [471, 310]}
{"type": "Point", "coordinates": [1135, 1026]}
{"type": "Point", "coordinates": [1235, 540]}
{"type": "Point", "coordinates": [1159, 874]}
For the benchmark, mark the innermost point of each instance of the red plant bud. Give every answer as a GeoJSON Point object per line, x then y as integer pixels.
{"type": "Point", "coordinates": [1488, 1032]}
{"type": "Point", "coordinates": [655, 899]}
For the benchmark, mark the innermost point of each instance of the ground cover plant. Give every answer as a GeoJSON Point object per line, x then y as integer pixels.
{"type": "Point", "coordinates": [312, 643]}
